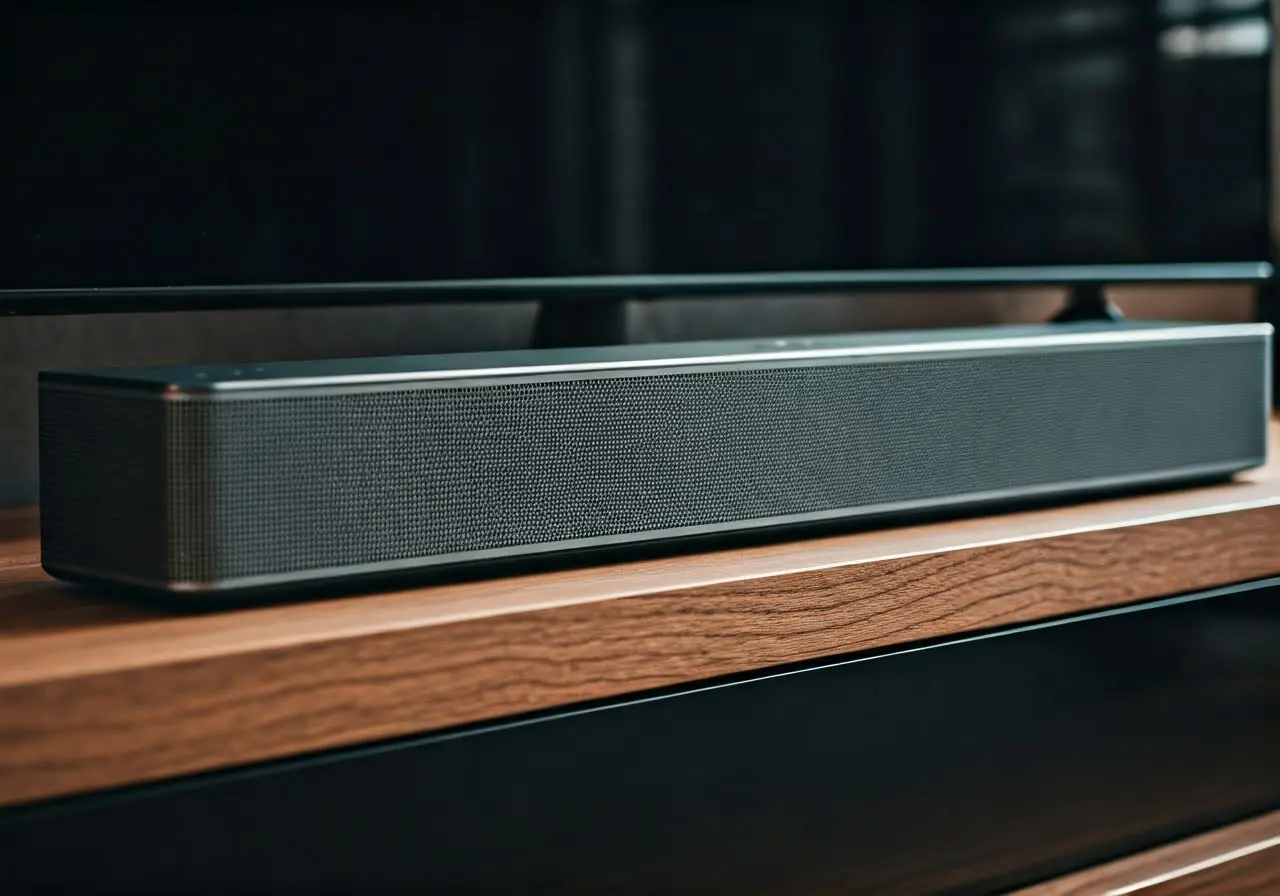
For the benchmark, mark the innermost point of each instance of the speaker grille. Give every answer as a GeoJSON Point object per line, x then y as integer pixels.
{"type": "Point", "coordinates": [281, 485]}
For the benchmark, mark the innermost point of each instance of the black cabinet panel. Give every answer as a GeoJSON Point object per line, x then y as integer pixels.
{"type": "Point", "coordinates": [964, 766]}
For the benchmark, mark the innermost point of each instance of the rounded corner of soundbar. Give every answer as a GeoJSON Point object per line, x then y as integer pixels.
{"type": "Point", "coordinates": [189, 392]}
{"type": "Point", "coordinates": [1253, 463]}
{"type": "Point", "coordinates": [182, 590]}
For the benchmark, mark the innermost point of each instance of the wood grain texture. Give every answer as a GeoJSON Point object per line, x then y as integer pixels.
{"type": "Point", "coordinates": [1238, 859]}
{"type": "Point", "coordinates": [95, 695]}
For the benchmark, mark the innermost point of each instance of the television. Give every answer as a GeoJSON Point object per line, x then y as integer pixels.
{"type": "Point", "coordinates": [208, 154]}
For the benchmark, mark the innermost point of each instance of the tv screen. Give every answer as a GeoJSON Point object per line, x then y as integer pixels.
{"type": "Point", "coordinates": [243, 145]}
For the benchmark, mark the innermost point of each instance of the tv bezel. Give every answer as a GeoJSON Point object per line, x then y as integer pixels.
{"type": "Point", "coordinates": [204, 297]}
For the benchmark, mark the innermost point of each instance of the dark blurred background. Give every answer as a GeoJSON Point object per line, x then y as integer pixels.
{"type": "Point", "coordinates": [217, 143]}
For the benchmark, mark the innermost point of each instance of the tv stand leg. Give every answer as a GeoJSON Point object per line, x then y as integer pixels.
{"type": "Point", "coordinates": [1088, 301]}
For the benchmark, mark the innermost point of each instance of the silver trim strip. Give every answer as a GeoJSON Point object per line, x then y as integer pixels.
{"type": "Point", "coordinates": [471, 376]}
{"type": "Point", "coordinates": [1194, 867]}
{"type": "Point", "coordinates": [467, 378]}
{"type": "Point", "coordinates": [337, 573]}
{"type": "Point", "coordinates": [967, 346]}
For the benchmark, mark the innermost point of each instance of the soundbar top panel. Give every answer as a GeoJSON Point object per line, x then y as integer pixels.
{"type": "Point", "coordinates": [408, 368]}
{"type": "Point", "coordinates": [199, 480]}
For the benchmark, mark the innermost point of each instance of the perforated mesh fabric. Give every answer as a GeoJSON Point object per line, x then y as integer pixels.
{"type": "Point", "coordinates": [280, 485]}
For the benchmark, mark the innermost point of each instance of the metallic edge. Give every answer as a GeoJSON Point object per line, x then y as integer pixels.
{"type": "Point", "coordinates": [968, 346]}
{"type": "Point", "coordinates": [923, 349]}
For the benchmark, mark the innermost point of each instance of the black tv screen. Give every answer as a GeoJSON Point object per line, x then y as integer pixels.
{"type": "Point", "coordinates": [241, 145]}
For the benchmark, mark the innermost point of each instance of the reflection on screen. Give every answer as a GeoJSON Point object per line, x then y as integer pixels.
{"type": "Point", "coordinates": [151, 144]}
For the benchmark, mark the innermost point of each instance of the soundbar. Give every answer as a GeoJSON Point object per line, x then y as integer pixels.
{"type": "Point", "coordinates": [206, 480]}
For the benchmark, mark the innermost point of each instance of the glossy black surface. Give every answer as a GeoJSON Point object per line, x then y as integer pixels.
{"type": "Point", "coordinates": [963, 767]}
{"type": "Point", "coordinates": [227, 144]}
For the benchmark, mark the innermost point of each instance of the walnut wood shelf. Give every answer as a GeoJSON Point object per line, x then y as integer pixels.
{"type": "Point", "coordinates": [96, 695]}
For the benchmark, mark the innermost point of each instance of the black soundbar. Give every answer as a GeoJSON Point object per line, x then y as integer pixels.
{"type": "Point", "coordinates": [200, 480]}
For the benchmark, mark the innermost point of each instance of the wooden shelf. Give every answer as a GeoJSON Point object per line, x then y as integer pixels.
{"type": "Point", "coordinates": [96, 695]}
